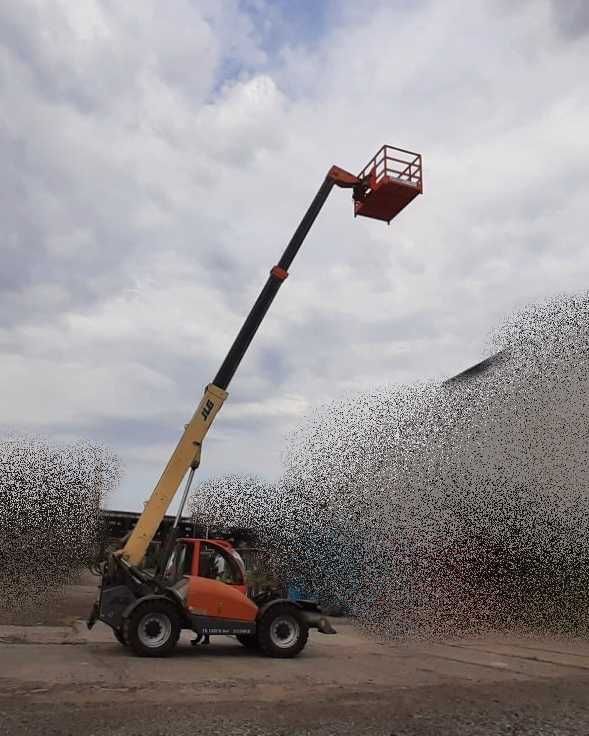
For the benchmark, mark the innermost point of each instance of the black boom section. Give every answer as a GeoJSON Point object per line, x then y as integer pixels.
{"type": "Point", "coordinates": [277, 276]}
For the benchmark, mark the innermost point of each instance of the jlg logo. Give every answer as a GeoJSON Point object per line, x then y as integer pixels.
{"type": "Point", "coordinates": [206, 410]}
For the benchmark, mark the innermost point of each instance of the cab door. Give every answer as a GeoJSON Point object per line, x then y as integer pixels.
{"type": "Point", "coordinates": [217, 587]}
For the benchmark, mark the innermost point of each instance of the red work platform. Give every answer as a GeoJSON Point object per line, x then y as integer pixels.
{"type": "Point", "coordinates": [389, 182]}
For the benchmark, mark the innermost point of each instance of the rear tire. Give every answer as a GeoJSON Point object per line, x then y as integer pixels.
{"type": "Point", "coordinates": [282, 631]}
{"type": "Point", "coordinates": [152, 629]}
{"type": "Point", "coordinates": [249, 641]}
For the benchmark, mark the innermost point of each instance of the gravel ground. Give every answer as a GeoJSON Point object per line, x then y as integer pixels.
{"type": "Point", "coordinates": [557, 708]}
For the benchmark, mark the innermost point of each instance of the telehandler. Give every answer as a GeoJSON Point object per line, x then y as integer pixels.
{"type": "Point", "coordinates": [199, 584]}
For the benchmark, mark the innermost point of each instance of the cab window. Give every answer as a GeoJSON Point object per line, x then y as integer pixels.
{"type": "Point", "coordinates": [216, 564]}
{"type": "Point", "coordinates": [180, 562]}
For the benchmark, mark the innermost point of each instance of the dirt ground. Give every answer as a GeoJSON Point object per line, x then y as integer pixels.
{"type": "Point", "coordinates": [61, 609]}
{"type": "Point", "coordinates": [58, 678]}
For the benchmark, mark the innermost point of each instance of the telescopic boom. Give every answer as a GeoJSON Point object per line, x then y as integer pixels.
{"type": "Point", "coordinates": [375, 194]}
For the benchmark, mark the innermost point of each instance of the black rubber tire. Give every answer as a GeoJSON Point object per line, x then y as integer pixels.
{"type": "Point", "coordinates": [264, 636]}
{"type": "Point", "coordinates": [119, 637]}
{"type": "Point", "coordinates": [249, 641]}
{"type": "Point", "coordinates": [132, 635]}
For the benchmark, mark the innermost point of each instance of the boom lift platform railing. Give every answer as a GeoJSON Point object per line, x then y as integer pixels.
{"type": "Point", "coordinates": [393, 179]}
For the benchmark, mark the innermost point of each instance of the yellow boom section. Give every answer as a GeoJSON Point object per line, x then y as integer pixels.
{"type": "Point", "coordinates": [186, 454]}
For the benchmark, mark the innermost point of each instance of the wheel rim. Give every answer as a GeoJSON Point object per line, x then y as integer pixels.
{"type": "Point", "coordinates": [284, 632]}
{"type": "Point", "coordinates": [154, 630]}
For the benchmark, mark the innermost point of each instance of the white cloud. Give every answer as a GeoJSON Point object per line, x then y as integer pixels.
{"type": "Point", "coordinates": [157, 157]}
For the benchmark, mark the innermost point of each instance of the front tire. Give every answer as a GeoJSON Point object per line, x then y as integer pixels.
{"type": "Point", "coordinates": [282, 632]}
{"type": "Point", "coordinates": [152, 629]}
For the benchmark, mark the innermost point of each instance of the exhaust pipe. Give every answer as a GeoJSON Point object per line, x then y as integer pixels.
{"type": "Point", "coordinates": [315, 620]}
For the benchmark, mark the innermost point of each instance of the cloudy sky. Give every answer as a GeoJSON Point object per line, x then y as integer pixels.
{"type": "Point", "coordinates": [157, 156]}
